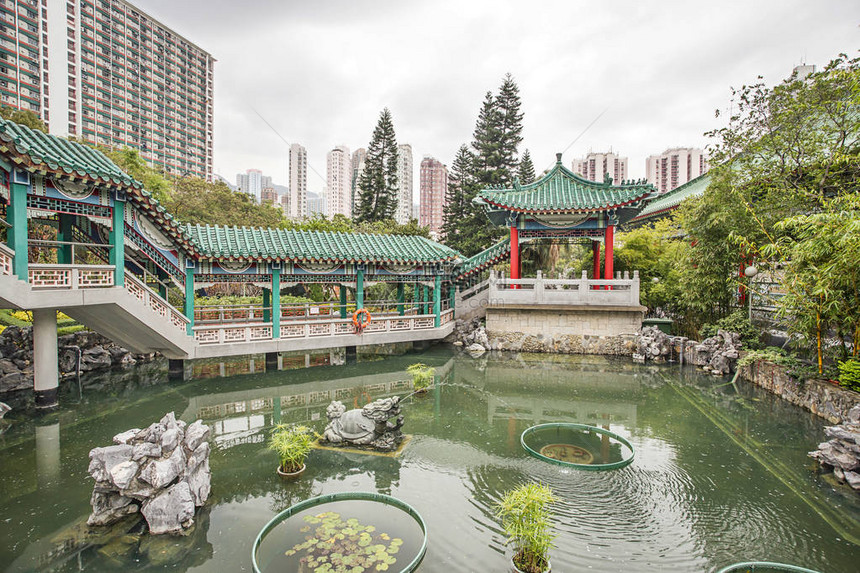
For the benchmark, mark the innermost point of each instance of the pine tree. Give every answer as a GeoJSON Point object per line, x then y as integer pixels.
{"type": "Point", "coordinates": [378, 182]}
{"type": "Point", "coordinates": [510, 128]}
{"type": "Point", "coordinates": [526, 170]}
{"type": "Point", "coordinates": [460, 185]}
{"type": "Point", "coordinates": [486, 143]}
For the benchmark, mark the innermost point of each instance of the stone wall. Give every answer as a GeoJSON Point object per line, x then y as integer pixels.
{"type": "Point", "coordinates": [619, 345]}
{"type": "Point", "coordinates": [818, 396]}
{"type": "Point", "coordinates": [556, 322]}
{"type": "Point", "coordinates": [96, 353]}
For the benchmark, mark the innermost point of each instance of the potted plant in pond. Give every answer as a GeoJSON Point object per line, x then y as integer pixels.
{"type": "Point", "coordinates": [525, 515]}
{"type": "Point", "coordinates": [422, 377]}
{"type": "Point", "coordinates": [292, 444]}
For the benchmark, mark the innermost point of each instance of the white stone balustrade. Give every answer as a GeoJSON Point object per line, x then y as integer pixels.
{"type": "Point", "coordinates": [622, 291]}
{"type": "Point", "coordinates": [296, 329]}
{"type": "Point", "coordinates": [154, 302]}
{"type": "Point", "coordinates": [42, 276]}
{"type": "Point", "coordinates": [6, 257]}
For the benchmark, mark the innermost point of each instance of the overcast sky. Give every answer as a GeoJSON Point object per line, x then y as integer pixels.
{"type": "Point", "coordinates": [320, 71]}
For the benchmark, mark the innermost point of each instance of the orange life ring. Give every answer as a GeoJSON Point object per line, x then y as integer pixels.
{"type": "Point", "coordinates": [360, 324]}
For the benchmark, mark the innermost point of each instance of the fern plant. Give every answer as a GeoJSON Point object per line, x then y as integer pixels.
{"type": "Point", "coordinates": [849, 374]}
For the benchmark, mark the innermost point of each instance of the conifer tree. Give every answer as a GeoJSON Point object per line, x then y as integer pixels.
{"type": "Point", "coordinates": [526, 170]}
{"type": "Point", "coordinates": [510, 129]}
{"type": "Point", "coordinates": [460, 185]}
{"type": "Point", "coordinates": [378, 182]}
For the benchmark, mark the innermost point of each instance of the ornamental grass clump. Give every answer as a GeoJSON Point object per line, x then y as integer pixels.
{"type": "Point", "coordinates": [292, 444]}
{"type": "Point", "coordinates": [525, 515]}
{"type": "Point", "coordinates": [422, 376]}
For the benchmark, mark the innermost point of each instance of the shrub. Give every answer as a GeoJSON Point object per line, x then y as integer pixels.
{"type": "Point", "coordinates": [525, 516]}
{"type": "Point", "coordinates": [735, 322]}
{"type": "Point", "coordinates": [292, 444]}
{"type": "Point", "coordinates": [849, 374]}
{"type": "Point", "coordinates": [770, 354]}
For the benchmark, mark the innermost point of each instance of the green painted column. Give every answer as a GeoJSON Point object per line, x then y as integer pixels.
{"type": "Point", "coordinates": [16, 213]}
{"type": "Point", "coordinates": [416, 299]}
{"type": "Point", "coordinates": [359, 289]}
{"type": "Point", "coordinates": [276, 303]}
{"type": "Point", "coordinates": [452, 296]}
{"type": "Point", "coordinates": [117, 241]}
{"type": "Point", "coordinates": [425, 299]}
{"type": "Point", "coordinates": [189, 300]}
{"type": "Point", "coordinates": [162, 286]}
{"type": "Point", "coordinates": [437, 301]}
{"type": "Point", "coordinates": [401, 295]}
{"type": "Point", "coordinates": [64, 233]}
{"type": "Point", "coordinates": [342, 301]}
{"type": "Point", "coordinates": [267, 302]}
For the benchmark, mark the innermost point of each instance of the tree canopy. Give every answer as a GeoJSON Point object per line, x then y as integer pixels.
{"type": "Point", "coordinates": [23, 117]}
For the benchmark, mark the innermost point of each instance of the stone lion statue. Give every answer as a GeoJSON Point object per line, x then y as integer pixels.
{"type": "Point", "coordinates": [376, 424]}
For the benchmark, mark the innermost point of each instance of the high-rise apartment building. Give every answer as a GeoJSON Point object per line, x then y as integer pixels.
{"type": "Point", "coordinates": [269, 195]}
{"type": "Point", "coordinates": [434, 187]}
{"type": "Point", "coordinates": [404, 184]}
{"type": "Point", "coordinates": [106, 72]}
{"type": "Point", "coordinates": [595, 166]}
{"type": "Point", "coordinates": [252, 183]}
{"type": "Point", "coordinates": [359, 157]}
{"type": "Point", "coordinates": [298, 181]}
{"type": "Point", "coordinates": [674, 167]}
{"type": "Point", "coordinates": [316, 204]}
{"type": "Point", "coordinates": [339, 181]}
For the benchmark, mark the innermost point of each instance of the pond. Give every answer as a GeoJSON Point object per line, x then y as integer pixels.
{"type": "Point", "coordinates": [718, 477]}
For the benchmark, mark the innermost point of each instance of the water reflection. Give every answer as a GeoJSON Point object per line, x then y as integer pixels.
{"type": "Point", "coordinates": [703, 491]}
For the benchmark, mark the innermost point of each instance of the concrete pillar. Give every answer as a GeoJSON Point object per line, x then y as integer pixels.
{"type": "Point", "coordinates": [117, 241]}
{"type": "Point", "coordinates": [64, 233]}
{"type": "Point", "coordinates": [47, 454]}
{"type": "Point", "coordinates": [271, 361]}
{"type": "Point", "coordinates": [437, 301]}
{"type": "Point", "coordinates": [46, 372]}
{"type": "Point", "coordinates": [267, 303]}
{"type": "Point", "coordinates": [16, 214]}
{"type": "Point", "coordinates": [189, 300]}
{"type": "Point", "coordinates": [175, 369]}
{"type": "Point", "coordinates": [276, 302]}
{"type": "Point", "coordinates": [359, 289]}
{"type": "Point", "coordinates": [342, 301]}
{"type": "Point", "coordinates": [351, 354]}
{"type": "Point", "coordinates": [401, 295]}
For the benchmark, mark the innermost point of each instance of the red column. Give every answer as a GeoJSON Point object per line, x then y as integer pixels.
{"type": "Point", "coordinates": [608, 239]}
{"type": "Point", "coordinates": [595, 254]}
{"type": "Point", "coordinates": [515, 254]}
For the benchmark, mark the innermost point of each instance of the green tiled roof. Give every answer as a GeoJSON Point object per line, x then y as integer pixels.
{"type": "Point", "coordinates": [49, 153]}
{"type": "Point", "coordinates": [279, 244]}
{"type": "Point", "coordinates": [52, 153]}
{"type": "Point", "coordinates": [561, 191]}
{"type": "Point", "coordinates": [671, 200]}
{"type": "Point", "coordinates": [485, 258]}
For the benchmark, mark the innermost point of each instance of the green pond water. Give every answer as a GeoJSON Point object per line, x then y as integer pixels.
{"type": "Point", "coordinates": [717, 478]}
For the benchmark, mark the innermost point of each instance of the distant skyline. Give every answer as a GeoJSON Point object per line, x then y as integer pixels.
{"type": "Point", "coordinates": [653, 73]}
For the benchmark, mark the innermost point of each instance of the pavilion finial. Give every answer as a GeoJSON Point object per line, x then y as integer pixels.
{"type": "Point", "coordinates": [558, 158]}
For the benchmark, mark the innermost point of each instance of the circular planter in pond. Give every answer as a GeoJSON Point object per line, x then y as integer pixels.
{"type": "Point", "coordinates": [577, 446]}
{"type": "Point", "coordinates": [359, 530]}
{"type": "Point", "coordinates": [763, 567]}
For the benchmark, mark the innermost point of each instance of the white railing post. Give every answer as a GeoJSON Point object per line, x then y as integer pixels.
{"type": "Point", "coordinates": [74, 278]}
{"type": "Point", "coordinates": [634, 288]}
{"type": "Point", "coordinates": [539, 287]}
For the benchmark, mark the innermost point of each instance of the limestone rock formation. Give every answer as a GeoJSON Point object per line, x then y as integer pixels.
{"type": "Point", "coordinates": [841, 454]}
{"type": "Point", "coordinates": [161, 471]}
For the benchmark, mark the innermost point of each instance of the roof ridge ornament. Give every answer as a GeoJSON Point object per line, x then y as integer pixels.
{"type": "Point", "coordinates": [558, 158]}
